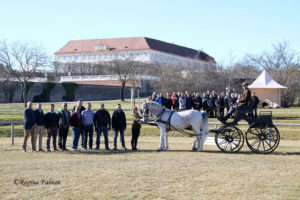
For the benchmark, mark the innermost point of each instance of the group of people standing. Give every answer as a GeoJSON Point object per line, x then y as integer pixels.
{"type": "Point", "coordinates": [210, 102]}
{"type": "Point", "coordinates": [82, 121]}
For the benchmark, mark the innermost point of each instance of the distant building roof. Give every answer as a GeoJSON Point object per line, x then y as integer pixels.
{"type": "Point", "coordinates": [131, 44]}
{"type": "Point", "coordinates": [265, 80]}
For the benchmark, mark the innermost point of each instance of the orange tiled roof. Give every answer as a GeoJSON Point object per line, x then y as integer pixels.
{"type": "Point", "coordinates": [131, 44]}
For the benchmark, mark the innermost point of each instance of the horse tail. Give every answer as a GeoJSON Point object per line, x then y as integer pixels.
{"type": "Point", "coordinates": [205, 129]}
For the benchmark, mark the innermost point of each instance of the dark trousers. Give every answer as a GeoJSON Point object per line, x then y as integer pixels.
{"type": "Point", "coordinates": [76, 134]}
{"type": "Point", "coordinates": [87, 132]}
{"type": "Point", "coordinates": [51, 132]}
{"type": "Point", "coordinates": [101, 129]}
{"type": "Point", "coordinates": [62, 137]}
{"type": "Point", "coordinates": [135, 136]}
{"type": "Point", "coordinates": [255, 111]}
{"type": "Point", "coordinates": [121, 137]}
{"type": "Point", "coordinates": [220, 112]}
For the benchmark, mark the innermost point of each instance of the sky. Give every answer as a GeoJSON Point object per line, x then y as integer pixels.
{"type": "Point", "coordinates": [225, 29]}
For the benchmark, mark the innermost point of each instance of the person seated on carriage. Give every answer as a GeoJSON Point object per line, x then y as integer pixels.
{"type": "Point", "coordinates": [241, 105]}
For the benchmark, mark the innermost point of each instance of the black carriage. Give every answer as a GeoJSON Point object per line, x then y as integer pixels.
{"type": "Point", "coordinates": [262, 136]}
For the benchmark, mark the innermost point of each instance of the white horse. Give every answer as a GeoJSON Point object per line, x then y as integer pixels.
{"type": "Point", "coordinates": [168, 120]}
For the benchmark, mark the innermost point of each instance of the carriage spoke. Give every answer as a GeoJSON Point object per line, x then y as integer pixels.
{"type": "Point", "coordinates": [222, 142]}
{"type": "Point", "coordinates": [226, 146]}
{"type": "Point", "coordinates": [259, 143]}
{"type": "Point", "coordinates": [254, 142]}
{"type": "Point", "coordinates": [263, 144]}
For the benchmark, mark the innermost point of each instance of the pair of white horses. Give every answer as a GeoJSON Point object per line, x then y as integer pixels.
{"type": "Point", "coordinates": [197, 121]}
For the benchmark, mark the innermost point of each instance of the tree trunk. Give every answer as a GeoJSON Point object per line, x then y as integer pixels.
{"type": "Point", "coordinates": [122, 91]}
{"type": "Point", "coordinates": [24, 95]}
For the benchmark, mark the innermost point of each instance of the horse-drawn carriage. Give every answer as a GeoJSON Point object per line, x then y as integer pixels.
{"type": "Point", "coordinates": [262, 136]}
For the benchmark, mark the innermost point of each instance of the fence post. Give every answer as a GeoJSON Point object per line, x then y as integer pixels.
{"type": "Point", "coordinates": [12, 132]}
{"type": "Point", "coordinates": [216, 126]}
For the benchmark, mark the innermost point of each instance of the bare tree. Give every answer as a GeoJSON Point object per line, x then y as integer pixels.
{"type": "Point", "coordinates": [21, 61]}
{"type": "Point", "coordinates": [120, 68]}
{"type": "Point", "coordinates": [283, 64]}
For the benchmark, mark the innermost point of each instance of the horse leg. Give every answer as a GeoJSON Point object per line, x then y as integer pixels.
{"type": "Point", "coordinates": [200, 141]}
{"type": "Point", "coordinates": [166, 140]}
{"type": "Point", "coordinates": [162, 145]}
{"type": "Point", "coordinates": [194, 144]}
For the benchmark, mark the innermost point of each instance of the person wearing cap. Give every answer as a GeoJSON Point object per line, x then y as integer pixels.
{"type": "Point", "coordinates": [87, 122]}
{"type": "Point", "coordinates": [242, 104]}
{"type": "Point", "coordinates": [63, 124]}
{"type": "Point", "coordinates": [119, 125]}
{"type": "Point", "coordinates": [102, 123]}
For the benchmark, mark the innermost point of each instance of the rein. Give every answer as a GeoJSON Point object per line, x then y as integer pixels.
{"type": "Point", "coordinates": [169, 125]}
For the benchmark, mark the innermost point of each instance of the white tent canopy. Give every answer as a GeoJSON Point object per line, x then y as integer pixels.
{"type": "Point", "coordinates": [265, 80]}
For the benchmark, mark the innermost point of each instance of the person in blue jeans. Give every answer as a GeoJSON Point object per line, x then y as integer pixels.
{"type": "Point", "coordinates": [87, 121]}
{"type": "Point", "coordinates": [75, 123]}
{"type": "Point", "coordinates": [119, 125]}
{"type": "Point", "coordinates": [101, 121]}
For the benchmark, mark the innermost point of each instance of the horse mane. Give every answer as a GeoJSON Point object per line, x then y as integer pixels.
{"type": "Point", "coordinates": [155, 104]}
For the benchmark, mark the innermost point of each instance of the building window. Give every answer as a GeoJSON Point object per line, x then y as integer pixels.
{"type": "Point", "coordinates": [76, 57]}
{"type": "Point", "coordinates": [83, 57]}
{"type": "Point", "coordinates": [145, 54]}
{"type": "Point", "coordinates": [95, 56]}
{"type": "Point", "coordinates": [100, 56]}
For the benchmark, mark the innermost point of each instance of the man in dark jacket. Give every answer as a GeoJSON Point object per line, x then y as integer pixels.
{"type": "Point", "coordinates": [51, 124]}
{"type": "Point", "coordinates": [197, 102]}
{"type": "Point", "coordinates": [242, 106]}
{"type": "Point", "coordinates": [255, 103]}
{"type": "Point", "coordinates": [189, 101]}
{"type": "Point", "coordinates": [167, 101]}
{"type": "Point", "coordinates": [39, 118]}
{"type": "Point", "coordinates": [29, 126]}
{"type": "Point", "coordinates": [220, 104]}
{"type": "Point", "coordinates": [64, 124]}
{"type": "Point", "coordinates": [119, 124]}
{"type": "Point", "coordinates": [101, 120]}
{"type": "Point", "coordinates": [76, 124]}
{"type": "Point", "coordinates": [82, 108]}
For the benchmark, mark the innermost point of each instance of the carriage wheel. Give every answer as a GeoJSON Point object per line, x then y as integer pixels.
{"type": "Point", "coordinates": [262, 139]}
{"type": "Point", "coordinates": [229, 139]}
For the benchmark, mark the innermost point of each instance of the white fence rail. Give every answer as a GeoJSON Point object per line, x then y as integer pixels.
{"type": "Point", "coordinates": [209, 141]}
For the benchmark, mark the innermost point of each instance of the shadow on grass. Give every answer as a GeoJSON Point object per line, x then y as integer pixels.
{"type": "Point", "coordinates": [119, 152]}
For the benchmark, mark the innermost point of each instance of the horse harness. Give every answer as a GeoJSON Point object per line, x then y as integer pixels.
{"type": "Point", "coordinates": [168, 122]}
{"type": "Point", "coordinates": [169, 125]}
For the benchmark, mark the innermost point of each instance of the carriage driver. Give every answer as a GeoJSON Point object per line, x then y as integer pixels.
{"type": "Point", "coordinates": [243, 104]}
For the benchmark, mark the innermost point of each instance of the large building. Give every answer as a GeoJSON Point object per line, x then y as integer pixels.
{"type": "Point", "coordinates": [141, 49]}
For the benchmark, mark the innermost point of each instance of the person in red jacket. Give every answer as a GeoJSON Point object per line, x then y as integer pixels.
{"type": "Point", "coordinates": [75, 123]}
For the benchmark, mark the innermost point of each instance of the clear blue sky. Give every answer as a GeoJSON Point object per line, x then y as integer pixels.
{"type": "Point", "coordinates": [219, 27]}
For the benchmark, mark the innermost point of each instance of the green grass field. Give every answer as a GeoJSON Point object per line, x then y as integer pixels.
{"type": "Point", "coordinates": [14, 112]}
{"type": "Point", "coordinates": [146, 174]}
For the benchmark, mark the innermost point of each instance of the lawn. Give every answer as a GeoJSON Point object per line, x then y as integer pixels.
{"type": "Point", "coordinates": [146, 174]}
{"type": "Point", "coordinates": [14, 112]}
{"type": "Point", "coordinates": [176, 174]}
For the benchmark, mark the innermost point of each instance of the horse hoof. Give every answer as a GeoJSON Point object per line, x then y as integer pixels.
{"type": "Point", "coordinates": [194, 149]}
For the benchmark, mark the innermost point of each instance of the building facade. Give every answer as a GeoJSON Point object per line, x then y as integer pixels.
{"type": "Point", "coordinates": [140, 49]}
